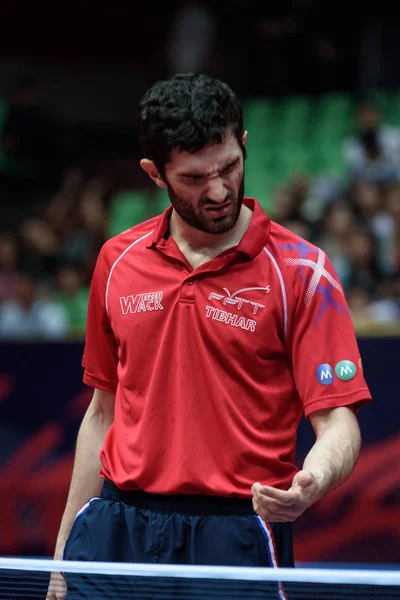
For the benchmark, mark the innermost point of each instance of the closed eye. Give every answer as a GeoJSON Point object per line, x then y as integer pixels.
{"type": "Point", "coordinates": [230, 167]}
{"type": "Point", "coordinates": [194, 177]}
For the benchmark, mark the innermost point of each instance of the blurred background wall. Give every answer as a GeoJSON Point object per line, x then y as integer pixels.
{"type": "Point", "coordinates": [320, 86]}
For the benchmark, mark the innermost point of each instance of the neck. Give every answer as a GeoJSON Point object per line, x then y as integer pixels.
{"type": "Point", "coordinates": [200, 241]}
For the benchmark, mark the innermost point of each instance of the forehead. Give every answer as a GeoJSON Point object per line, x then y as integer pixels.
{"type": "Point", "coordinates": [209, 158]}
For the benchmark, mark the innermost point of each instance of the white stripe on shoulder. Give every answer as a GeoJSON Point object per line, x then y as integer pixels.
{"type": "Point", "coordinates": [119, 258]}
{"type": "Point", "coordinates": [283, 290]}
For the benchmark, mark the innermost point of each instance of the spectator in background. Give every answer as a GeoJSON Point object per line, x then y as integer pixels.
{"type": "Point", "coordinates": [368, 313]}
{"type": "Point", "coordinates": [9, 257]}
{"type": "Point", "coordinates": [71, 226]}
{"type": "Point", "coordinates": [57, 247]}
{"type": "Point", "coordinates": [40, 247]}
{"type": "Point", "coordinates": [303, 199]}
{"type": "Point", "coordinates": [376, 167]}
{"type": "Point", "coordinates": [28, 315]}
{"type": "Point", "coordinates": [372, 202]}
{"type": "Point", "coordinates": [384, 307]}
{"type": "Point", "coordinates": [362, 252]}
{"type": "Point", "coordinates": [291, 198]}
{"type": "Point", "coordinates": [358, 303]}
{"type": "Point", "coordinates": [72, 295]}
{"type": "Point", "coordinates": [85, 224]}
{"type": "Point", "coordinates": [374, 149]}
{"type": "Point", "coordinates": [393, 210]}
{"type": "Point", "coordinates": [336, 229]}
{"type": "Point", "coordinates": [67, 196]}
{"type": "Point", "coordinates": [353, 225]}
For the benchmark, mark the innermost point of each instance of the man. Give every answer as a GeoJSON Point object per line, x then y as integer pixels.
{"type": "Point", "coordinates": [374, 141]}
{"type": "Point", "coordinates": [210, 331]}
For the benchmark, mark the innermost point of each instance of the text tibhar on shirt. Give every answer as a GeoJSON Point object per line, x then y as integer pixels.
{"type": "Point", "coordinates": [233, 319]}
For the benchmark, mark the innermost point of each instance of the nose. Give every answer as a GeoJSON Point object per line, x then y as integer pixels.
{"type": "Point", "coordinates": [216, 190]}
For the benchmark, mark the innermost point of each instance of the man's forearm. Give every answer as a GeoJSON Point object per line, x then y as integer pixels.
{"type": "Point", "coordinates": [86, 481]}
{"type": "Point", "coordinates": [329, 462]}
{"type": "Point", "coordinates": [334, 454]}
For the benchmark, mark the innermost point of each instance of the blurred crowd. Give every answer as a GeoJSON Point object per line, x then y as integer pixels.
{"type": "Point", "coordinates": [55, 217]}
{"type": "Point", "coordinates": [356, 221]}
{"type": "Point", "coordinates": [52, 222]}
{"type": "Point", "coordinates": [47, 260]}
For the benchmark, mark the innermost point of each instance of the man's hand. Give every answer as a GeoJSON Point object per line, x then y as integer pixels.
{"type": "Point", "coordinates": [329, 463]}
{"type": "Point", "coordinates": [276, 505]}
{"type": "Point", "coordinates": [57, 587]}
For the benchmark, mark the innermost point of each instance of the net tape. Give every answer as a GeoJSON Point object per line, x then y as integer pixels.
{"type": "Point", "coordinates": [309, 575]}
{"type": "Point", "coordinates": [27, 579]}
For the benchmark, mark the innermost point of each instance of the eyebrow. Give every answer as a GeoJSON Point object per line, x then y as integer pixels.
{"type": "Point", "coordinates": [199, 175]}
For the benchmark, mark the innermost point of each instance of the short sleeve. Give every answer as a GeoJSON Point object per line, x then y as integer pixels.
{"type": "Point", "coordinates": [325, 357]}
{"type": "Point", "coordinates": [100, 356]}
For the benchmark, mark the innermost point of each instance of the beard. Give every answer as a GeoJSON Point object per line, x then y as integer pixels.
{"type": "Point", "coordinates": [195, 217]}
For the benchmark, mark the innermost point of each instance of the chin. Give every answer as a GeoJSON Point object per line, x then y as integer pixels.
{"type": "Point", "coordinates": [221, 225]}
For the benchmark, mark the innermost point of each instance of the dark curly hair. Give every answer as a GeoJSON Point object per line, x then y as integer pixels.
{"type": "Point", "coordinates": [187, 112]}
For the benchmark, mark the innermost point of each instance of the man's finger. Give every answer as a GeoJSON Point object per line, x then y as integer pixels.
{"type": "Point", "coordinates": [282, 496]}
{"type": "Point", "coordinates": [275, 507]}
{"type": "Point", "coordinates": [278, 516]}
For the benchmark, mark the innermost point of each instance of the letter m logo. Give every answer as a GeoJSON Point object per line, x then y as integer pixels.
{"type": "Point", "coordinates": [346, 370]}
{"type": "Point", "coordinates": [325, 374]}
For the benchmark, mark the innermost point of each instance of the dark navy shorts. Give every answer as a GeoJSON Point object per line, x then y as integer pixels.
{"type": "Point", "coordinates": [137, 527]}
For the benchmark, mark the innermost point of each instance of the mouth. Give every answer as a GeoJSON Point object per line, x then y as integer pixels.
{"type": "Point", "coordinates": [220, 210]}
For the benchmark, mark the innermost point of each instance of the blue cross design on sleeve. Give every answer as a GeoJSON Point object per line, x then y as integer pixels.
{"type": "Point", "coordinates": [302, 248]}
{"type": "Point", "coordinates": [318, 272]}
{"type": "Point", "coordinates": [327, 301]}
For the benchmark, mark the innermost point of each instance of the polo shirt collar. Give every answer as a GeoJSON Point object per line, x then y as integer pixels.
{"type": "Point", "coordinates": [252, 242]}
{"type": "Point", "coordinates": [257, 233]}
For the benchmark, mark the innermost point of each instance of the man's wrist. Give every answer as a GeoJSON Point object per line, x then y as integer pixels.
{"type": "Point", "coordinates": [59, 551]}
{"type": "Point", "coordinates": [323, 483]}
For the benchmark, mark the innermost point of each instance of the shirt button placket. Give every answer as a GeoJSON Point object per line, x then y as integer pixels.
{"type": "Point", "coordinates": [188, 290]}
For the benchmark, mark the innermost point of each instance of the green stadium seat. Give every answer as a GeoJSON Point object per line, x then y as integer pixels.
{"type": "Point", "coordinates": [128, 208]}
{"type": "Point", "coordinates": [392, 112]}
{"type": "Point", "coordinates": [256, 110]}
{"type": "Point", "coordinates": [293, 115]}
{"type": "Point", "coordinates": [259, 120]}
{"type": "Point", "coordinates": [332, 116]}
{"type": "Point", "coordinates": [161, 201]}
{"type": "Point", "coordinates": [327, 159]}
{"type": "Point", "coordinates": [260, 183]}
{"type": "Point", "coordinates": [289, 159]}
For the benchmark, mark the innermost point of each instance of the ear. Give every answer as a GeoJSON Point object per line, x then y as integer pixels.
{"type": "Point", "coordinates": [152, 171]}
{"type": "Point", "coordinates": [244, 138]}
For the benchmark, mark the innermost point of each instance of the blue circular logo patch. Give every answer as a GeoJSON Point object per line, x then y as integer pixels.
{"type": "Point", "coordinates": [325, 374]}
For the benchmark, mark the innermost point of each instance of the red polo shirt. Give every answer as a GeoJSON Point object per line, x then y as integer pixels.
{"type": "Point", "coordinates": [214, 367]}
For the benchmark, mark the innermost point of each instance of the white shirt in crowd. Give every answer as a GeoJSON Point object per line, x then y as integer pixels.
{"type": "Point", "coordinates": [43, 320]}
